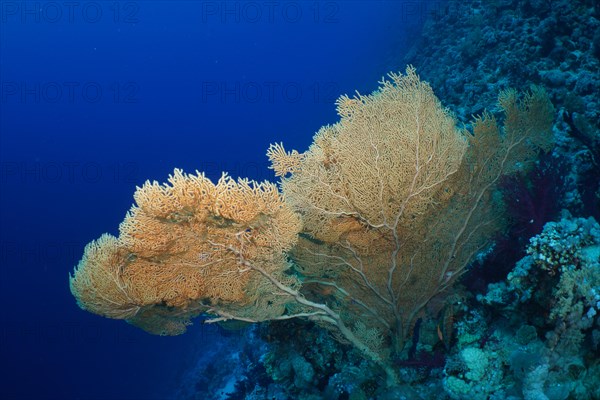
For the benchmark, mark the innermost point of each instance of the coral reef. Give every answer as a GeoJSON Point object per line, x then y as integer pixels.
{"type": "Point", "coordinates": [469, 50]}
{"type": "Point", "coordinates": [395, 202]}
{"type": "Point", "coordinates": [550, 303]}
{"type": "Point", "coordinates": [377, 224]}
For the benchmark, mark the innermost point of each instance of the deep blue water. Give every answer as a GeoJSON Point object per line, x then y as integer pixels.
{"type": "Point", "coordinates": [96, 97]}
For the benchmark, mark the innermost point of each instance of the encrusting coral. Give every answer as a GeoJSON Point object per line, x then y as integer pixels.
{"type": "Point", "coordinates": [380, 216]}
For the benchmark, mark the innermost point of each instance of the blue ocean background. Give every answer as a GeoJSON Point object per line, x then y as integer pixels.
{"type": "Point", "coordinates": [97, 97]}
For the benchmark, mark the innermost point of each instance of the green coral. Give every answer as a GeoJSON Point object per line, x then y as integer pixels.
{"type": "Point", "coordinates": [476, 361]}
{"type": "Point", "coordinates": [562, 244]}
{"type": "Point", "coordinates": [569, 248]}
{"type": "Point", "coordinates": [475, 373]}
{"type": "Point", "coordinates": [551, 301]}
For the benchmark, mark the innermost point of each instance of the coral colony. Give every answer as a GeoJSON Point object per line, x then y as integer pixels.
{"type": "Point", "coordinates": [421, 253]}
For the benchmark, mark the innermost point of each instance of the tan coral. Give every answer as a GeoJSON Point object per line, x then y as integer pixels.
{"type": "Point", "coordinates": [98, 283]}
{"type": "Point", "coordinates": [175, 249]}
{"type": "Point", "coordinates": [283, 162]}
{"type": "Point", "coordinates": [396, 200]}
